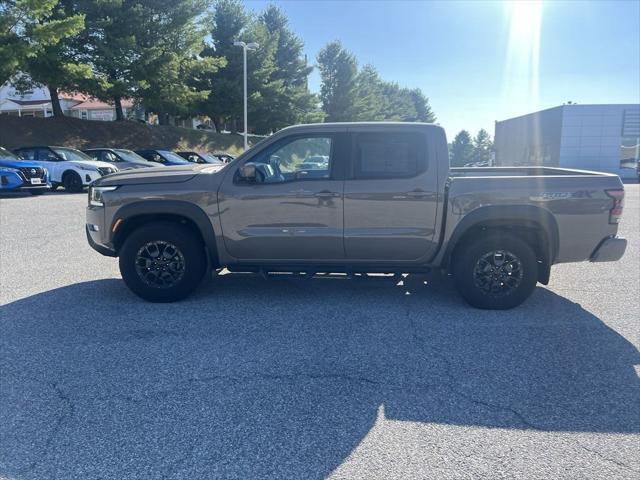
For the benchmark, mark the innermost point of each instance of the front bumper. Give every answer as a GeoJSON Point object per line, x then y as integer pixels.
{"type": "Point", "coordinates": [14, 182]}
{"type": "Point", "coordinates": [610, 249]}
{"type": "Point", "coordinates": [96, 234]}
{"type": "Point", "coordinates": [104, 250]}
{"type": "Point", "coordinates": [88, 177]}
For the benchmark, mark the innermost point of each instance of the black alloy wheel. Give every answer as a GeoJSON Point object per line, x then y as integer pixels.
{"type": "Point", "coordinates": [163, 261]}
{"type": "Point", "coordinates": [498, 271]}
{"type": "Point", "coordinates": [160, 264]}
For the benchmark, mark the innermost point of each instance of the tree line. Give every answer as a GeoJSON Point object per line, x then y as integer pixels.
{"type": "Point", "coordinates": [464, 150]}
{"type": "Point", "coordinates": [176, 59]}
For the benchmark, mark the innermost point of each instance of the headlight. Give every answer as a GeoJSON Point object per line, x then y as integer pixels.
{"type": "Point", "coordinates": [8, 170]}
{"type": "Point", "coordinates": [95, 195]}
{"type": "Point", "coordinates": [89, 169]}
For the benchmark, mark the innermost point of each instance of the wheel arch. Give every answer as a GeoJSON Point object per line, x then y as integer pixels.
{"type": "Point", "coordinates": [535, 225]}
{"type": "Point", "coordinates": [134, 215]}
{"type": "Point", "coordinates": [69, 171]}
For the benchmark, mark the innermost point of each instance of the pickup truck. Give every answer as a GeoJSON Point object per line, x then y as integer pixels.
{"type": "Point", "coordinates": [385, 201]}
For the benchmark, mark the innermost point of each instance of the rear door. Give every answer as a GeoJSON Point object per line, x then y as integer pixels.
{"type": "Point", "coordinates": [290, 212]}
{"type": "Point", "coordinates": [391, 194]}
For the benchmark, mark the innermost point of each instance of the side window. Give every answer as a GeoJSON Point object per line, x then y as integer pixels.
{"type": "Point", "coordinates": [109, 157]}
{"type": "Point", "coordinates": [28, 154]}
{"type": "Point", "coordinates": [44, 154]}
{"type": "Point", "coordinates": [299, 158]}
{"type": "Point", "coordinates": [389, 155]}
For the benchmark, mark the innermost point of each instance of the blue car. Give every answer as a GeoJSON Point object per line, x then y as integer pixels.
{"type": "Point", "coordinates": [17, 175]}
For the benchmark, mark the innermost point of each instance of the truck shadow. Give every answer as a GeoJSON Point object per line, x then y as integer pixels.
{"type": "Point", "coordinates": [285, 377]}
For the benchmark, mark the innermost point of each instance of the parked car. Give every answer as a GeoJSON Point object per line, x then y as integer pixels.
{"type": "Point", "coordinates": [68, 167]}
{"type": "Point", "coordinates": [224, 157]}
{"type": "Point", "coordinates": [165, 157]}
{"type": "Point", "coordinates": [18, 175]}
{"type": "Point", "coordinates": [387, 202]}
{"type": "Point", "coordinates": [122, 158]}
{"type": "Point", "coordinates": [195, 157]}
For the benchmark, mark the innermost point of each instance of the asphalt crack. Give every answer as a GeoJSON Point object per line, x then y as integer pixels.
{"type": "Point", "coordinates": [67, 413]}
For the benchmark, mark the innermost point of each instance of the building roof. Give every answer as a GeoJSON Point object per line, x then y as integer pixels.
{"type": "Point", "coordinates": [94, 104]}
{"type": "Point", "coordinates": [29, 102]}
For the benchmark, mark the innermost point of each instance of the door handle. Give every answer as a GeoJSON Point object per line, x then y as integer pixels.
{"type": "Point", "coordinates": [327, 194]}
{"type": "Point", "coordinates": [417, 193]}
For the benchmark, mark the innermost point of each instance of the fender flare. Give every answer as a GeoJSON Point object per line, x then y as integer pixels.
{"type": "Point", "coordinates": [179, 208]}
{"type": "Point", "coordinates": [509, 216]}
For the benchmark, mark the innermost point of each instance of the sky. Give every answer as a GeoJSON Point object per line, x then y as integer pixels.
{"type": "Point", "coordinates": [477, 61]}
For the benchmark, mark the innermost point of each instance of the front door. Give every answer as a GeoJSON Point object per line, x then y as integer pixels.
{"type": "Point", "coordinates": [294, 208]}
{"type": "Point", "coordinates": [390, 198]}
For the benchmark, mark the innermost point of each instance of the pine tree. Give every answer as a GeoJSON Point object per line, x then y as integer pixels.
{"type": "Point", "coordinates": [482, 147]}
{"type": "Point", "coordinates": [27, 28]}
{"type": "Point", "coordinates": [290, 101]}
{"type": "Point", "coordinates": [36, 39]}
{"type": "Point", "coordinates": [370, 102]}
{"type": "Point", "coordinates": [461, 151]}
{"type": "Point", "coordinates": [338, 70]}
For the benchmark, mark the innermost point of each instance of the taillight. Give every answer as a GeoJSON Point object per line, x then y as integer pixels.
{"type": "Point", "coordinates": [618, 202]}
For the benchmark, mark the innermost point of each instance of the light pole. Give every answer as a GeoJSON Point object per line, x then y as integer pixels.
{"type": "Point", "coordinates": [245, 47]}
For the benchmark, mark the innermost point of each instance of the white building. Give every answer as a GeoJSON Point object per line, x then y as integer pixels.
{"type": "Point", "coordinates": [604, 138]}
{"type": "Point", "coordinates": [37, 103]}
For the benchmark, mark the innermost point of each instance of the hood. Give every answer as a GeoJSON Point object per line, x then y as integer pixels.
{"type": "Point", "coordinates": [10, 163]}
{"type": "Point", "coordinates": [175, 174]}
{"type": "Point", "coordinates": [91, 163]}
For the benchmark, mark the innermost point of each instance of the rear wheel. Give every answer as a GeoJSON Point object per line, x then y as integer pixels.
{"type": "Point", "coordinates": [72, 182]}
{"type": "Point", "coordinates": [162, 262]}
{"type": "Point", "coordinates": [497, 272]}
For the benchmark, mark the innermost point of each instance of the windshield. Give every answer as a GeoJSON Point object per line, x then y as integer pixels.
{"type": "Point", "coordinates": [4, 153]}
{"type": "Point", "coordinates": [210, 158]}
{"type": "Point", "coordinates": [72, 154]}
{"type": "Point", "coordinates": [129, 156]}
{"type": "Point", "coordinates": [172, 157]}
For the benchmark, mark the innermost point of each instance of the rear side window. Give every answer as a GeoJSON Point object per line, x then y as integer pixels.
{"type": "Point", "coordinates": [389, 155]}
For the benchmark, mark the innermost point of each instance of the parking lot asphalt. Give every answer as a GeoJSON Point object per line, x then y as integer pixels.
{"type": "Point", "coordinates": [293, 378]}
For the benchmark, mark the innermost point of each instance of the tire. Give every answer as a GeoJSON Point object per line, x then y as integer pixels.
{"type": "Point", "coordinates": [72, 182]}
{"type": "Point", "coordinates": [497, 272]}
{"type": "Point", "coordinates": [180, 262]}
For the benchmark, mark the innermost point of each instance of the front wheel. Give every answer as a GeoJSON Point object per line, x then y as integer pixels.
{"type": "Point", "coordinates": [72, 182]}
{"type": "Point", "coordinates": [162, 262]}
{"type": "Point", "coordinates": [497, 272]}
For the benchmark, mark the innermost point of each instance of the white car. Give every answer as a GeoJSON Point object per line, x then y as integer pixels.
{"type": "Point", "coordinates": [68, 167]}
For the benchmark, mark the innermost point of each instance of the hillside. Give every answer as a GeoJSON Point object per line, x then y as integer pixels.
{"type": "Point", "coordinates": [72, 132]}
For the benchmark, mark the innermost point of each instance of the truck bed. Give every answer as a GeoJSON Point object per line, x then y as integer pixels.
{"type": "Point", "coordinates": [575, 202]}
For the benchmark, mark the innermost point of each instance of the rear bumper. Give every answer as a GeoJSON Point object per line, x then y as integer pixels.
{"type": "Point", "coordinates": [609, 250]}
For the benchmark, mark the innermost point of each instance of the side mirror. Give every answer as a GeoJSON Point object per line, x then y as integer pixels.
{"type": "Point", "coordinates": [248, 172]}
